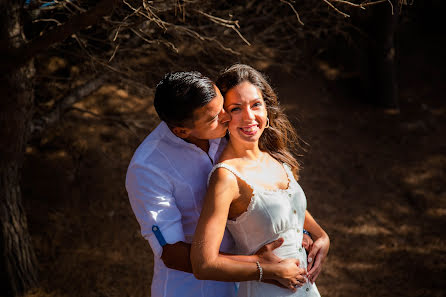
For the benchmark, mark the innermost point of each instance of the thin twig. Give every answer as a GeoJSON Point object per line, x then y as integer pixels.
{"type": "Point", "coordinates": [82, 10]}
{"type": "Point", "coordinates": [391, 5]}
{"type": "Point", "coordinates": [114, 53]}
{"type": "Point", "coordinates": [361, 5]}
{"type": "Point", "coordinates": [48, 20]}
{"type": "Point", "coordinates": [295, 12]}
{"type": "Point", "coordinates": [230, 24]}
{"type": "Point", "coordinates": [337, 10]}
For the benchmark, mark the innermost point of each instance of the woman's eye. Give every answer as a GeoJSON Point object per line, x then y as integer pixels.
{"type": "Point", "coordinates": [257, 104]}
{"type": "Point", "coordinates": [235, 109]}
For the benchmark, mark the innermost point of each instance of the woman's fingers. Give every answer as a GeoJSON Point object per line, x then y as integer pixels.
{"type": "Point", "coordinates": [301, 279]}
{"type": "Point", "coordinates": [315, 274]}
{"type": "Point", "coordinates": [316, 269]}
{"type": "Point", "coordinates": [312, 255]}
{"type": "Point", "coordinates": [298, 282]}
{"type": "Point", "coordinates": [293, 276]}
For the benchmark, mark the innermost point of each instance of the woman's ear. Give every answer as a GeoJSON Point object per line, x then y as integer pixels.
{"type": "Point", "coordinates": [181, 132]}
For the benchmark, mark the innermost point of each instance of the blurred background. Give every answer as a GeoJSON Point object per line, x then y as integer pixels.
{"type": "Point", "coordinates": [362, 81]}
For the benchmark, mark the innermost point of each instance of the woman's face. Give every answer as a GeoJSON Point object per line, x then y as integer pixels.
{"type": "Point", "coordinates": [245, 105]}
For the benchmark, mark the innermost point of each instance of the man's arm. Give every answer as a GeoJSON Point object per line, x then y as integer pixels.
{"type": "Point", "coordinates": [152, 201]}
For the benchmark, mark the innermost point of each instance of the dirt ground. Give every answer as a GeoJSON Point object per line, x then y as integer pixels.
{"type": "Point", "coordinates": [374, 180]}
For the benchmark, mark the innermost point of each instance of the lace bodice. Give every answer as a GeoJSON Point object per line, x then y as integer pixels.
{"type": "Point", "coordinates": [271, 214]}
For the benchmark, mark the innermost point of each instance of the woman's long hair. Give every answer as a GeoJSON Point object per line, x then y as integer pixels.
{"type": "Point", "coordinates": [280, 140]}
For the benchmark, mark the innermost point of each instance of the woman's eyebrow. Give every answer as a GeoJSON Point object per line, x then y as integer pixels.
{"type": "Point", "coordinates": [254, 99]}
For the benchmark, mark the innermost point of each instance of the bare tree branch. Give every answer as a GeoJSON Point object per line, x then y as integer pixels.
{"type": "Point", "coordinates": [39, 125]}
{"type": "Point", "coordinates": [57, 34]}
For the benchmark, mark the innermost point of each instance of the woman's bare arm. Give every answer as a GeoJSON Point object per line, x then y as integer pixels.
{"type": "Point", "coordinates": [319, 250]}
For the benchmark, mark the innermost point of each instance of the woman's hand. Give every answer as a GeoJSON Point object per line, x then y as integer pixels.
{"type": "Point", "coordinates": [289, 274]}
{"type": "Point", "coordinates": [317, 256]}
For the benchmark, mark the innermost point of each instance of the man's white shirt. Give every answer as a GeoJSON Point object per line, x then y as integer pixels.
{"type": "Point", "coordinates": [166, 183]}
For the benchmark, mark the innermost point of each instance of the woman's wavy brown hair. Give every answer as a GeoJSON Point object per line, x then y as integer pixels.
{"type": "Point", "coordinates": [280, 140]}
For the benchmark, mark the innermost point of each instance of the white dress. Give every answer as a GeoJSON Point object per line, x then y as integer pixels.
{"type": "Point", "coordinates": [271, 214]}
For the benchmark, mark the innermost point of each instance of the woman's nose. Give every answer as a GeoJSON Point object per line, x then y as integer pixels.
{"type": "Point", "coordinates": [248, 114]}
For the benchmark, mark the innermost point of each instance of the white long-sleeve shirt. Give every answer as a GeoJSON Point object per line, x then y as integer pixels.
{"type": "Point", "coordinates": [166, 184]}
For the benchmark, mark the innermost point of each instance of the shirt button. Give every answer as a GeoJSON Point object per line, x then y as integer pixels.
{"type": "Point", "coordinates": [289, 195]}
{"type": "Point", "coordinates": [298, 230]}
{"type": "Point", "coordinates": [300, 249]}
{"type": "Point", "coordinates": [294, 211]}
{"type": "Point", "coordinates": [307, 289]}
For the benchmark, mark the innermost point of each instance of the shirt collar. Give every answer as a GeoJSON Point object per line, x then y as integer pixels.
{"type": "Point", "coordinates": [214, 144]}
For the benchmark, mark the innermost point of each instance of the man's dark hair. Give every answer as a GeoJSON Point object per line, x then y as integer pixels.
{"type": "Point", "coordinates": [179, 94]}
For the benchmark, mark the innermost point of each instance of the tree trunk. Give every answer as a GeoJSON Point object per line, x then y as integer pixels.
{"type": "Point", "coordinates": [379, 60]}
{"type": "Point", "coordinates": [18, 270]}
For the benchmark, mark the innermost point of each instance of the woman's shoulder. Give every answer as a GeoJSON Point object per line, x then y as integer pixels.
{"type": "Point", "coordinates": [223, 173]}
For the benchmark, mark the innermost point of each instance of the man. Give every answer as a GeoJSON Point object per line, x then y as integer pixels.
{"type": "Point", "coordinates": [166, 182]}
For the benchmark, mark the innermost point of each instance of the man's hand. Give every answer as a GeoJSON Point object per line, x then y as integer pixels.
{"type": "Point", "coordinates": [265, 253]}
{"type": "Point", "coordinates": [317, 256]}
{"type": "Point", "coordinates": [307, 242]}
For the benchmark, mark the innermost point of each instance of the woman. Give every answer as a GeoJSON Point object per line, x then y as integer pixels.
{"type": "Point", "coordinates": [253, 190]}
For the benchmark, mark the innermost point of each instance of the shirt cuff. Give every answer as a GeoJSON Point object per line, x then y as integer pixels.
{"type": "Point", "coordinates": [171, 234]}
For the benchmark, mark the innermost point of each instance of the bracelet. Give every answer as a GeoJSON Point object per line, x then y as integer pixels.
{"type": "Point", "coordinates": [260, 269]}
{"type": "Point", "coordinates": [306, 232]}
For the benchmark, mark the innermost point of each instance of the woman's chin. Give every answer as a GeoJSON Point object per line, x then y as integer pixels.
{"type": "Point", "coordinates": [247, 136]}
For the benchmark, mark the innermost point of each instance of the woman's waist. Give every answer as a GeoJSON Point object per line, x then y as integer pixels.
{"type": "Point", "coordinates": [292, 250]}
{"type": "Point", "coordinates": [292, 242]}
{"type": "Point", "coordinates": [291, 246]}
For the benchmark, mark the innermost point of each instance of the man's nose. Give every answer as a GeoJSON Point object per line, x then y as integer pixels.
{"type": "Point", "coordinates": [224, 116]}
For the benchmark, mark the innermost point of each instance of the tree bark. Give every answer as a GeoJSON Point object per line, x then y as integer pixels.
{"type": "Point", "coordinates": [18, 269]}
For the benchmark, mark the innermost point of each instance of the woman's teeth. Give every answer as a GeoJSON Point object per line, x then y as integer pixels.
{"type": "Point", "coordinates": [249, 129]}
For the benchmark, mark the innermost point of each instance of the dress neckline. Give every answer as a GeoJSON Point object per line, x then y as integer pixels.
{"type": "Point", "coordinates": [255, 188]}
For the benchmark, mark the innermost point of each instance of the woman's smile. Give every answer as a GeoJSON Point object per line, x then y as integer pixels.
{"type": "Point", "coordinates": [250, 129]}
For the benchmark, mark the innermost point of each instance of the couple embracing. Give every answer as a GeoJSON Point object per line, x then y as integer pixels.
{"type": "Point", "coordinates": [214, 190]}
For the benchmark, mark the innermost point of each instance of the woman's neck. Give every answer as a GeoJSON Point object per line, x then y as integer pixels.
{"type": "Point", "coordinates": [250, 151]}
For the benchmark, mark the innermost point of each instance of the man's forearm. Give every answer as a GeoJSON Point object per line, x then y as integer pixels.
{"type": "Point", "coordinates": [177, 256]}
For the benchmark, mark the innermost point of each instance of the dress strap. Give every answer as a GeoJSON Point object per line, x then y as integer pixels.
{"type": "Point", "coordinates": [230, 168]}
{"type": "Point", "coordinates": [289, 173]}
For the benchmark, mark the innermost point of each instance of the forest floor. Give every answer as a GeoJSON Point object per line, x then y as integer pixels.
{"type": "Point", "coordinates": [375, 181]}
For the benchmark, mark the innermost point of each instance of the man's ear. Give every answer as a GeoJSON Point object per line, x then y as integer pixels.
{"type": "Point", "coordinates": [181, 132]}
